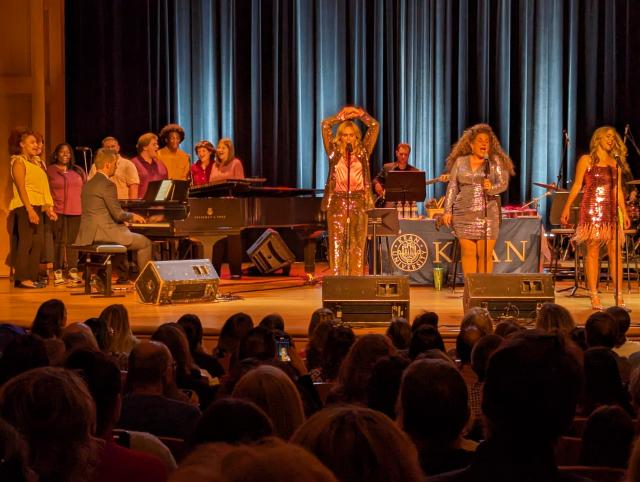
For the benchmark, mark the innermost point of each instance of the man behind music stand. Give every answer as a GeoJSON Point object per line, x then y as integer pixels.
{"type": "Point", "coordinates": [406, 186]}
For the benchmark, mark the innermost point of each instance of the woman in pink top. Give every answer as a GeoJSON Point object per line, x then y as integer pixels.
{"type": "Point", "coordinates": [66, 181]}
{"type": "Point", "coordinates": [226, 165]}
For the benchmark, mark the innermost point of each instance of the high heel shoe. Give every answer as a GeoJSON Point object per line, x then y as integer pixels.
{"type": "Point", "coordinates": [621, 304]}
{"type": "Point", "coordinates": [596, 304]}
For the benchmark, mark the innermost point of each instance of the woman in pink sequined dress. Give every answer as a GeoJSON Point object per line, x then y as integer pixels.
{"type": "Point", "coordinates": [597, 177]}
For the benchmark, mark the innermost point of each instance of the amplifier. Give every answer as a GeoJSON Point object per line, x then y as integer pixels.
{"type": "Point", "coordinates": [270, 253]}
{"type": "Point", "coordinates": [184, 281]}
{"type": "Point", "coordinates": [366, 300]}
{"type": "Point", "coordinates": [510, 295]}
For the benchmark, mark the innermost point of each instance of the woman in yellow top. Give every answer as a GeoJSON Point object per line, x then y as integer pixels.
{"type": "Point", "coordinates": [31, 200]}
{"type": "Point", "coordinates": [177, 161]}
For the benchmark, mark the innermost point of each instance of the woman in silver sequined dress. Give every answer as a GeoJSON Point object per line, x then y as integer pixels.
{"type": "Point", "coordinates": [479, 171]}
{"type": "Point", "coordinates": [596, 176]}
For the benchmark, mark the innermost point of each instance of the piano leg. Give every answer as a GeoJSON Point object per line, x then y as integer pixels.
{"type": "Point", "coordinates": [310, 243]}
{"type": "Point", "coordinates": [205, 247]}
{"type": "Point", "coordinates": [234, 254]}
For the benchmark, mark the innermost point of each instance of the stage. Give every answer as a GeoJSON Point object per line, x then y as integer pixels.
{"type": "Point", "coordinates": [294, 297]}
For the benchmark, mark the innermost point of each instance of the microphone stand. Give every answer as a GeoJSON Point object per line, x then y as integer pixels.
{"type": "Point", "coordinates": [487, 168]}
{"type": "Point", "coordinates": [561, 172]}
{"type": "Point", "coordinates": [348, 150]}
{"type": "Point", "coordinates": [617, 213]}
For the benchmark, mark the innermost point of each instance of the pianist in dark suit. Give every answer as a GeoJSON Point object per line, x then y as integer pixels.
{"type": "Point", "coordinates": [102, 217]}
{"type": "Point", "coordinates": [348, 194]}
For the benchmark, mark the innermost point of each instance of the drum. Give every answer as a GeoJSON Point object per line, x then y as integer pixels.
{"type": "Point", "coordinates": [518, 212]}
{"type": "Point", "coordinates": [633, 210]}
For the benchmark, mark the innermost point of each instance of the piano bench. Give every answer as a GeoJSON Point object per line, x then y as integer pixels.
{"type": "Point", "coordinates": [106, 251]}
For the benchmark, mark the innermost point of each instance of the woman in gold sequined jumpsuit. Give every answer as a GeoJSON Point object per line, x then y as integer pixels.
{"type": "Point", "coordinates": [347, 194]}
{"type": "Point", "coordinates": [597, 176]}
{"type": "Point", "coordinates": [479, 171]}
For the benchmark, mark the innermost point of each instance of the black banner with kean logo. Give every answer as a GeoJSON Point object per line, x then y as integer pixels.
{"type": "Point", "coordinates": [420, 247]}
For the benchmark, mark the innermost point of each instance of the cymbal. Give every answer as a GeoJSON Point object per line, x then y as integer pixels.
{"type": "Point", "coordinates": [550, 187]}
{"type": "Point", "coordinates": [635, 181]}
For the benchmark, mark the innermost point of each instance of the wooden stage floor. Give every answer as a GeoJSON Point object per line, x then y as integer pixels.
{"type": "Point", "coordinates": [258, 296]}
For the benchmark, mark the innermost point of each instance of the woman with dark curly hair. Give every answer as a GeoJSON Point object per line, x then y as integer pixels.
{"type": "Point", "coordinates": [479, 171]}
{"type": "Point", "coordinates": [597, 175]}
{"type": "Point", "coordinates": [177, 161]}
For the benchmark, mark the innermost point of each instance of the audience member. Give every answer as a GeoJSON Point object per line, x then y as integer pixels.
{"type": "Point", "coordinates": [321, 314]}
{"type": "Point", "coordinates": [14, 456]}
{"type": "Point", "coordinates": [233, 330]}
{"type": "Point", "coordinates": [192, 327]}
{"type": "Point", "coordinates": [507, 327]}
{"type": "Point", "coordinates": [529, 400]}
{"type": "Point", "coordinates": [339, 341]}
{"type": "Point", "coordinates": [23, 353]}
{"type": "Point", "coordinates": [274, 392]}
{"type": "Point", "coordinates": [102, 377]}
{"type": "Point", "coordinates": [578, 336]}
{"type": "Point", "coordinates": [399, 332]}
{"type": "Point", "coordinates": [601, 329]}
{"type": "Point", "coordinates": [553, 317]}
{"type": "Point", "coordinates": [423, 339]}
{"type": "Point", "coordinates": [271, 460]}
{"type": "Point", "coordinates": [384, 384]}
{"type": "Point", "coordinates": [258, 343]}
{"type": "Point", "coordinates": [355, 371]}
{"type": "Point", "coordinates": [478, 317]}
{"type": "Point", "coordinates": [624, 347]}
{"type": "Point", "coordinates": [429, 318]}
{"type": "Point", "coordinates": [98, 327]}
{"type": "Point", "coordinates": [145, 407]}
{"type": "Point", "coordinates": [233, 421]}
{"type": "Point", "coordinates": [78, 336]}
{"type": "Point", "coordinates": [360, 445]}
{"type": "Point", "coordinates": [50, 319]}
{"type": "Point", "coordinates": [316, 346]}
{"type": "Point", "coordinates": [272, 322]}
{"type": "Point", "coordinates": [607, 438]}
{"type": "Point", "coordinates": [121, 339]}
{"type": "Point", "coordinates": [53, 410]}
{"type": "Point", "coordinates": [465, 341]}
{"type": "Point", "coordinates": [434, 410]}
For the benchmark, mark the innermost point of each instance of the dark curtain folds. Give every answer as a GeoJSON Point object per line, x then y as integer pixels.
{"type": "Point", "coordinates": [265, 72]}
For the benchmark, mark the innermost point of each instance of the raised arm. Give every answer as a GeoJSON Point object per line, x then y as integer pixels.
{"type": "Point", "coordinates": [373, 129]}
{"type": "Point", "coordinates": [327, 129]}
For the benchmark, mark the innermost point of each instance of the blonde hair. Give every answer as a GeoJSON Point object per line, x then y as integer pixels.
{"type": "Point", "coordinates": [121, 339]}
{"type": "Point", "coordinates": [463, 147]}
{"type": "Point", "coordinates": [144, 140]}
{"type": "Point", "coordinates": [273, 391]}
{"type": "Point", "coordinates": [619, 148]}
{"type": "Point", "coordinates": [343, 126]}
{"type": "Point", "coordinates": [232, 152]}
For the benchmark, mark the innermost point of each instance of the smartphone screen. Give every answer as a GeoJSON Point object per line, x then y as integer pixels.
{"type": "Point", "coordinates": [283, 343]}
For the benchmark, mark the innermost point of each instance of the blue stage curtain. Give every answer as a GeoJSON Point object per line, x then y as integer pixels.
{"type": "Point", "coordinates": [265, 72]}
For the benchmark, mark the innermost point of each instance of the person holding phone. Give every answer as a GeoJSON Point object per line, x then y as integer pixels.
{"type": "Point", "coordinates": [479, 171]}
{"type": "Point", "coordinates": [348, 194]}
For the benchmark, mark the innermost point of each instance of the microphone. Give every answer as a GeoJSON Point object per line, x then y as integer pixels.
{"type": "Point", "coordinates": [565, 136]}
{"type": "Point", "coordinates": [487, 165]}
{"type": "Point", "coordinates": [616, 156]}
{"type": "Point", "coordinates": [626, 132]}
{"type": "Point", "coordinates": [349, 148]}
{"type": "Point", "coordinates": [82, 148]}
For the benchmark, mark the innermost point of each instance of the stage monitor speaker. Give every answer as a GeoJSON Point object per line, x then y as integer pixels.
{"type": "Point", "coordinates": [366, 300]}
{"type": "Point", "coordinates": [270, 253]}
{"type": "Point", "coordinates": [184, 281]}
{"type": "Point", "coordinates": [512, 295]}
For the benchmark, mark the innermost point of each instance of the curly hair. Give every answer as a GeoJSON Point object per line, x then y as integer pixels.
{"type": "Point", "coordinates": [463, 147]}
{"type": "Point", "coordinates": [16, 136]}
{"type": "Point", "coordinates": [618, 149]}
{"type": "Point", "coordinates": [168, 129]}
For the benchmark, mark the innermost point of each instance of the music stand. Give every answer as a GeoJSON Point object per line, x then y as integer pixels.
{"type": "Point", "coordinates": [557, 205]}
{"type": "Point", "coordinates": [405, 186]}
{"type": "Point", "coordinates": [381, 222]}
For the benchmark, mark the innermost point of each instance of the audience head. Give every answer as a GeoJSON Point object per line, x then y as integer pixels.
{"type": "Point", "coordinates": [54, 412]}
{"type": "Point", "coordinates": [272, 322]}
{"type": "Point", "coordinates": [321, 314]}
{"type": "Point", "coordinates": [506, 328]}
{"type": "Point", "coordinates": [150, 365]}
{"type": "Point", "coordinates": [317, 344]}
{"type": "Point", "coordinates": [481, 353]}
{"type": "Point", "coordinates": [257, 343]}
{"type": "Point", "coordinates": [384, 384]}
{"type": "Point", "coordinates": [429, 318]}
{"type": "Point", "coordinates": [478, 317]}
{"type": "Point", "coordinates": [121, 339]}
{"type": "Point", "coordinates": [607, 438]}
{"type": "Point", "coordinates": [23, 353]}
{"type": "Point", "coordinates": [434, 403]}
{"type": "Point", "coordinates": [553, 317]}
{"type": "Point", "coordinates": [531, 388]}
{"type": "Point", "coordinates": [578, 336]}
{"type": "Point", "coordinates": [233, 330]}
{"type": "Point", "coordinates": [340, 339]}
{"type": "Point", "coordinates": [360, 445]}
{"type": "Point", "coordinates": [465, 341]}
{"type": "Point", "coordinates": [233, 421]}
{"type": "Point", "coordinates": [14, 456]}
{"type": "Point", "coordinates": [623, 320]}
{"type": "Point", "coordinates": [271, 460]}
{"type": "Point", "coordinates": [103, 379]}
{"type": "Point", "coordinates": [423, 339]}
{"type": "Point", "coordinates": [79, 336]}
{"type": "Point", "coordinates": [100, 331]}
{"type": "Point", "coordinates": [192, 327]}
{"type": "Point", "coordinates": [274, 392]}
{"type": "Point", "coordinates": [601, 329]}
{"type": "Point", "coordinates": [50, 318]}
{"type": "Point", "coordinates": [355, 371]}
{"type": "Point", "coordinates": [603, 384]}
{"type": "Point", "coordinates": [399, 332]}
{"type": "Point", "coordinates": [172, 335]}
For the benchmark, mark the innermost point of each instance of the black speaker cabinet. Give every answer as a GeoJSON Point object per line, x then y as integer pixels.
{"type": "Point", "coordinates": [270, 253]}
{"type": "Point", "coordinates": [184, 281]}
{"type": "Point", "coordinates": [509, 295]}
{"type": "Point", "coordinates": [366, 300]}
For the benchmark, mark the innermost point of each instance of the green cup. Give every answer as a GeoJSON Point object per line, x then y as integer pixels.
{"type": "Point", "coordinates": [438, 277]}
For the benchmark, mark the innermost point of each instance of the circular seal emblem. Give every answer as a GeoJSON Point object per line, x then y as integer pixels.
{"type": "Point", "coordinates": [409, 252]}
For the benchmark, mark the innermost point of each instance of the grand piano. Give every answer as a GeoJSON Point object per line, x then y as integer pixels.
{"type": "Point", "coordinates": [213, 212]}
